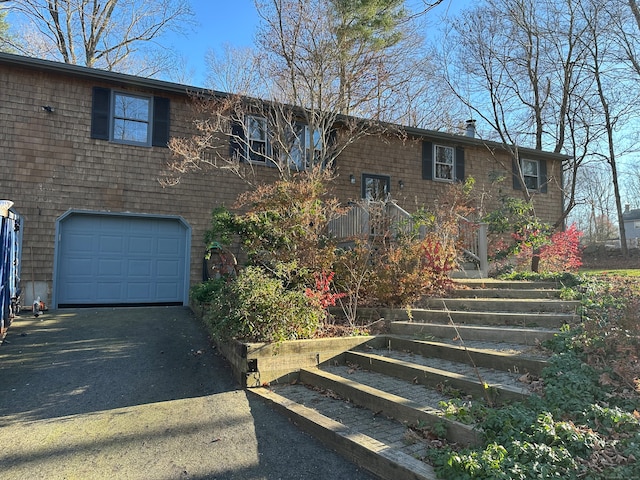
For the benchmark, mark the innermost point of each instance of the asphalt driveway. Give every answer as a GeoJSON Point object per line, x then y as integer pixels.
{"type": "Point", "coordinates": [139, 393]}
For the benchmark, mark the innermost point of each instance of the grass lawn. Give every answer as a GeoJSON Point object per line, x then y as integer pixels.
{"type": "Point", "coordinates": [622, 272]}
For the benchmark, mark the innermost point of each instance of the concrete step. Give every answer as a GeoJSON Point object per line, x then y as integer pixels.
{"type": "Point", "coordinates": [517, 335]}
{"type": "Point", "coordinates": [544, 320]}
{"type": "Point", "coordinates": [466, 380]}
{"type": "Point", "coordinates": [374, 442]}
{"type": "Point", "coordinates": [508, 305]}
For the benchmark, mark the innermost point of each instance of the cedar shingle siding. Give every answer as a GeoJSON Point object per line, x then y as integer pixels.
{"type": "Point", "coordinates": [51, 162]}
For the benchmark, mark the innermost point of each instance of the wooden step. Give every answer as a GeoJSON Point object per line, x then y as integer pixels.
{"type": "Point", "coordinates": [508, 305]}
{"type": "Point", "coordinates": [382, 456]}
{"type": "Point", "coordinates": [488, 318]}
{"type": "Point", "coordinates": [390, 405]}
{"type": "Point", "coordinates": [436, 377]}
{"type": "Point", "coordinates": [520, 293]}
{"type": "Point", "coordinates": [520, 335]}
{"type": "Point", "coordinates": [481, 357]}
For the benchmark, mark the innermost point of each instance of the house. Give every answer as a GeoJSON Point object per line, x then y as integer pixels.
{"type": "Point", "coordinates": [81, 152]}
{"type": "Point", "coordinates": [631, 220]}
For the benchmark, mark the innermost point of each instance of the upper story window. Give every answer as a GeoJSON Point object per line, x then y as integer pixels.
{"type": "Point", "coordinates": [256, 139]}
{"type": "Point", "coordinates": [531, 174]}
{"type": "Point", "coordinates": [444, 163]}
{"type": "Point", "coordinates": [307, 148]}
{"type": "Point", "coordinates": [131, 119]}
{"type": "Point", "coordinates": [251, 140]}
{"type": "Point", "coordinates": [636, 224]}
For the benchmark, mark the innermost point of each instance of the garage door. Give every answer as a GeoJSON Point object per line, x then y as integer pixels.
{"type": "Point", "coordinates": [106, 259]}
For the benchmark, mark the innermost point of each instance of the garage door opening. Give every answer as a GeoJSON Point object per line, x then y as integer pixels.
{"type": "Point", "coordinates": [106, 259]}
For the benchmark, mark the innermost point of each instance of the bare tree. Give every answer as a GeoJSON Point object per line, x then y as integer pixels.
{"type": "Point", "coordinates": [108, 34]}
{"type": "Point", "coordinates": [520, 66]}
{"type": "Point", "coordinates": [5, 37]}
{"type": "Point", "coordinates": [613, 109]}
{"type": "Point", "coordinates": [320, 60]}
{"type": "Point", "coordinates": [236, 70]}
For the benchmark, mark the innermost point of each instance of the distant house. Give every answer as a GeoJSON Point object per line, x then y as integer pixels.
{"type": "Point", "coordinates": [100, 229]}
{"type": "Point", "coordinates": [631, 220]}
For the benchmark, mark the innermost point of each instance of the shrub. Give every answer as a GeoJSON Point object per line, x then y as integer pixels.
{"type": "Point", "coordinates": [256, 307]}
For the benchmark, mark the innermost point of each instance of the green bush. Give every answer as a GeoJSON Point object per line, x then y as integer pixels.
{"type": "Point", "coordinates": [256, 307]}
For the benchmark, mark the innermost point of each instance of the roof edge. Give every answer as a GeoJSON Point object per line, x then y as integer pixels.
{"type": "Point", "coordinates": [177, 88]}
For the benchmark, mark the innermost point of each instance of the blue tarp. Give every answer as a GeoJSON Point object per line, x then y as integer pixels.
{"type": "Point", "coordinates": [10, 253]}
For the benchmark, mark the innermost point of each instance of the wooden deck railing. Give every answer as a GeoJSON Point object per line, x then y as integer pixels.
{"type": "Point", "coordinates": [375, 220]}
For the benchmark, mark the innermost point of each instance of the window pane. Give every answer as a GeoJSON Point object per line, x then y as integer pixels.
{"type": "Point", "coordinates": [531, 183]}
{"type": "Point", "coordinates": [530, 168]}
{"type": "Point", "coordinates": [130, 131]}
{"type": "Point", "coordinates": [444, 155]}
{"type": "Point", "coordinates": [444, 163]}
{"type": "Point", "coordinates": [256, 129]}
{"type": "Point", "coordinates": [376, 188]}
{"type": "Point", "coordinates": [133, 108]}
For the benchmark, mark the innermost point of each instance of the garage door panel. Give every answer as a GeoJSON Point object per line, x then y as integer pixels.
{"type": "Point", "coordinates": [109, 291]}
{"type": "Point", "coordinates": [168, 246]}
{"type": "Point", "coordinates": [108, 267]}
{"type": "Point", "coordinates": [140, 268]}
{"type": "Point", "coordinates": [138, 291]}
{"type": "Point", "coordinates": [80, 242]}
{"type": "Point", "coordinates": [166, 289]}
{"type": "Point", "coordinates": [117, 259]}
{"type": "Point", "coordinates": [167, 268]}
{"type": "Point", "coordinates": [79, 291]}
{"type": "Point", "coordinates": [141, 245]}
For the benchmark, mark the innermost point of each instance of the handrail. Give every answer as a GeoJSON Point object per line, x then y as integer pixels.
{"type": "Point", "coordinates": [366, 221]}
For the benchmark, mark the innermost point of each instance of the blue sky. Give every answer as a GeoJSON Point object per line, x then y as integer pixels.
{"type": "Point", "coordinates": [219, 22]}
{"type": "Point", "coordinates": [234, 22]}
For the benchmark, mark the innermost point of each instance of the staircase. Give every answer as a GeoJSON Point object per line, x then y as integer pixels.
{"type": "Point", "coordinates": [380, 405]}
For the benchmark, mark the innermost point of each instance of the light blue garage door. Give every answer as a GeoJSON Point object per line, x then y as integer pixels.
{"type": "Point", "coordinates": [105, 259]}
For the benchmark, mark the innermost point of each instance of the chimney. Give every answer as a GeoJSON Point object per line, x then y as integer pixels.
{"type": "Point", "coordinates": [471, 128]}
{"type": "Point", "coordinates": [626, 208]}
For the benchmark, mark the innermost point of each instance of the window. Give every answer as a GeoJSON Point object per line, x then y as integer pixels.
{"type": "Point", "coordinates": [534, 175]}
{"type": "Point", "coordinates": [531, 174]}
{"type": "Point", "coordinates": [375, 187]}
{"type": "Point", "coordinates": [133, 119]}
{"type": "Point", "coordinates": [256, 139]}
{"type": "Point", "coordinates": [307, 148]}
{"type": "Point", "coordinates": [444, 163]}
{"type": "Point", "coordinates": [636, 224]}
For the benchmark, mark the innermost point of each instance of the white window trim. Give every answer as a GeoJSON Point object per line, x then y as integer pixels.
{"type": "Point", "coordinates": [114, 117]}
{"type": "Point", "coordinates": [436, 163]}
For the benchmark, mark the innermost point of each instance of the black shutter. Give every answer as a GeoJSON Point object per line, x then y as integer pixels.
{"type": "Point", "coordinates": [543, 176]}
{"type": "Point", "coordinates": [427, 161]}
{"type": "Point", "coordinates": [100, 113]}
{"type": "Point", "coordinates": [160, 134]}
{"type": "Point", "coordinates": [236, 147]}
{"type": "Point", "coordinates": [516, 175]}
{"type": "Point", "coordinates": [459, 164]}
